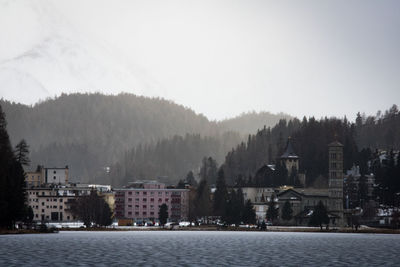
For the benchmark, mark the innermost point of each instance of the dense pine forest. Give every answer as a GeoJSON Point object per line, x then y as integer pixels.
{"type": "Point", "coordinates": [310, 138]}
{"type": "Point", "coordinates": [89, 132]}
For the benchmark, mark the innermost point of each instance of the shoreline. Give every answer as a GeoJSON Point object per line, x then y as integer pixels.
{"type": "Point", "coordinates": [294, 229]}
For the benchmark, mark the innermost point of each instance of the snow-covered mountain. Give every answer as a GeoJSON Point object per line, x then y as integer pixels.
{"type": "Point", "coordinates": [42, 54]}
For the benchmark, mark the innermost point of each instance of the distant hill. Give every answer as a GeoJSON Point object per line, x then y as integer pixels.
{"type": "Point", "coordinates": [249, 123]}
{"type": "Point", "coordinates": [90, 132]}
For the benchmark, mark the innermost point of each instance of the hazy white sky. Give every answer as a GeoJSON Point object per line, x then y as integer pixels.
{"type": "Point", "coordinates": [222, 58]}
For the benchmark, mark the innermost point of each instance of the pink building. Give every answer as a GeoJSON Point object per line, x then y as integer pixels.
{"type": "Point", "coordinates": [141, 201]}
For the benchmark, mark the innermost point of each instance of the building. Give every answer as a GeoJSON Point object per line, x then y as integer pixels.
{"type": "Point", "coordinates": [140, 201]}
{"type": "Point", "coordinates": [302, 199]}
{"type": "Point", "coordinates": [336, 178]}
{"type": "Point", "coordinates": [53, 204]}
{"type": "Point", "coordinates": [42, 176]}
{"type": "Point", "coordinates": [289, 158]}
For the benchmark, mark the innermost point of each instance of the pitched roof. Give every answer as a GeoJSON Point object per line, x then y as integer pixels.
{"type": "Point", "coordinates": [335, 143]}
{"type": "Point", "coordinates": [289, 153]}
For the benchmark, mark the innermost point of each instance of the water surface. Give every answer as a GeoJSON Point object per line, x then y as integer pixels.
{"type": "Point", "coordinates": [199, 248]}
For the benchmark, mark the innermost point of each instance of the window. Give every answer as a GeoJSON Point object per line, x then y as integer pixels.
{"type": "Point", "coordinates": [152, 193]}
{"type": "Point", "coordinates": [333, 155]}
{"type": "Point", "coordinates": [54, 172]}
{"type": "Point", "coordinates": [152, 199]}
{"type": "Point", "coordinates": [137, 199]}
{"type": "Point", "coordinates": [144, 199]}
{"type": "Point", "coordinates": [137, 206]}
{"type": "Point", "coordinates": [37, 215]}
{"type": "Point", "coordinates": [151, 213]}
{"type": "Point", "coordinates": [144, 213]}
{"type": "Point", "coordinates": [47, 207]}
{"type": "Point", "coordinates": [61, 207]}
{"type": "Point", "coordinates": [159, 193]}
{"type": "Point", "coordinates": [129, 206]}
{"type": "Point", "coordinates": [137, 213]}
{"type": "Point", "coordinates": [42, 210]}
{"type": "Point", "coordinates": [129, 199]}
{"type": "Point", "coordinates": [167, 193]}
{"type": "Point", "coordinates": [136, 193]}
{"type": "Point", "coordinates": [61, 200]}
{"type": "Point", "coordinates": [129, 213]}
{"type": "Point", "coordinates": [129, 193]}
{"type": "Point", "coordinates": [144, 206]}
{"type": "Point", "coordinates": [166, 200]}
{"type": "Point", "coordinates": [55, 199]}
{"type": "Point", "coordinates": [54, 207]}
{"type": "Point", "coordinates": [159, 200]}
{"type": "Point", "coordinates": [144, 193]}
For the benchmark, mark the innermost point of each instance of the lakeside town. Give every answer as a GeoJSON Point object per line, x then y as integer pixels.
{"type": "Point", "coordinates": [348, 202]}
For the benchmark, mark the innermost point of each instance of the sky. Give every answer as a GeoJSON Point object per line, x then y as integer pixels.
{"type": "Point", "coordinates": [223, 58]}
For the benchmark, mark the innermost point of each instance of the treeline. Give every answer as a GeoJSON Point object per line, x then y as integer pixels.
{"type": "Point", "coordinates": [12, 180]}
{"type": "Point", "coordinates": [380, 131]}
{"type": "Point", "coordinates": [387, 178]}
{"type": "Point", "coordinates": [250, 122]}
{"type": "Point", "coordinates": [169, 160]}
{"type": "Point", "coordinates": [89, 132]}
{"type": "Point", "coordinates": [227, 205]}
{"type": "Point", "coordinates": [309, 137]}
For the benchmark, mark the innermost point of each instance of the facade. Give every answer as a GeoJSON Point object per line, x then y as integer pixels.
{"type": "Point", "coordinates": [42, 176]}
{"type": "Point", "coordinates": [336, 179]}
{"type": "Point", "coordinates": [141, 201]}
{"type": "Point", "coordinates": [53, 204]}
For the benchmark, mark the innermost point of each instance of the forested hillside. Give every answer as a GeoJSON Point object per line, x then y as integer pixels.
{"type": "Point", "coordinates": [379, 131]}
{"type": "Point", "coordinates": [169, 160]}
{"type": "Point", "coordinates": [310, 138]}
{"type": "Point", "coordinates": [89, 132]}
{"type": "Point", "coordinates": [249, 123]}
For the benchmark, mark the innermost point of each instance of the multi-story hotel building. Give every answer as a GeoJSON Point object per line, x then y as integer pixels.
{"type": "Point", "coordinates": [141, 201]}
{"type": "Point", "coordinates": [54, 203]}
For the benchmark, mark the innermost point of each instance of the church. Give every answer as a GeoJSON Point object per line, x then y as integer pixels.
{"type": "Point", "coordinates": [302, 199]}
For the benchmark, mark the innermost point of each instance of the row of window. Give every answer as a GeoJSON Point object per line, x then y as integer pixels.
{"type": "Point", "coordinates": [145, 200]}
{"type": "Point", "coordinates": [47, 207]}
{"type": "Point", "coordinates": [143, 213]}
{"type": "Point", "coordinates": [145, 193]}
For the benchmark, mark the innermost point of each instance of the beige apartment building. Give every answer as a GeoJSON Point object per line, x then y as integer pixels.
{"type": "Point", "coordinates": [53, 204]}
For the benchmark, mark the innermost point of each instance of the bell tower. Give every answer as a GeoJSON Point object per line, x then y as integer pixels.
{"type": "Point", "coordinates": [289, 158]}
{"type": "Point", "coordinates": [335, 207]}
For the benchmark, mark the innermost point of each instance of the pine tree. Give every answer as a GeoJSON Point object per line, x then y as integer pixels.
{"type": "Point", "coordinates": [249, 214]}
{"type": "Point", "coordinates": [287, 211]}
{"type": "Point", "coordinates": [12, 181]}
{"type": "Point", "coordinates": [190, 179]}
{"type": "Point", "coordinates": [163, 214]}
{"type": "Point", "coordinates": [202, 199]}
{"type": "Point", "coordinates": [21, 153]}
{"type": "Point", "coordinates": [220, 195]}
{"type": "Point", "coordinates": [319, 216]}
{"type": "Point", "coordinates": [272, 212]}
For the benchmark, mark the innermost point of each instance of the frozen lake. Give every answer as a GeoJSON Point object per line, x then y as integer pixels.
{"type": "Point", "coordinates": [187, 248]}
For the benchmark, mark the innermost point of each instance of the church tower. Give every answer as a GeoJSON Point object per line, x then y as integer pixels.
{"type": "Point", "coordinates": [336, 181]}
{"type": "Point", "coordinates": [289, 158]}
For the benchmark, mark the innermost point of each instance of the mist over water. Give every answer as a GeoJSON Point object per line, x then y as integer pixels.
{"type": "Point", "coordinates": [199, 249]}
